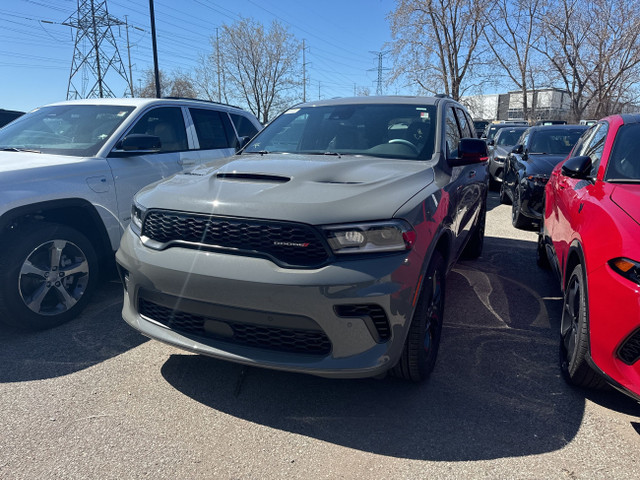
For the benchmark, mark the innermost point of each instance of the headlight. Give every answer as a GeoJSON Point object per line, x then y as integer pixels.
{"type": "Point", "coordinates": [137, 216]}
{"type": "Point", "coordinates": [373, 237]}
{"type": "Point", "coordinates": [538, 179]}
{"type": "Point", "coordinates": [629, 269]}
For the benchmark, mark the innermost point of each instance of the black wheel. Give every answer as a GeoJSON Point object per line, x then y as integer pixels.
{"type": "Point", "coordinates": [421, 346]}
{"type": "Point", "coordinates": [504, 197]}
{"type": "Point", "coordinates": [574, 334]}
{"type": "Point", "coordinates": [474, 248]}
{"type": "Point", "coordinates": [542, 259]}
{"type": "Point", "coordinates": [50, 273]}
{"type": "Point", "coordinates": [517, 219]}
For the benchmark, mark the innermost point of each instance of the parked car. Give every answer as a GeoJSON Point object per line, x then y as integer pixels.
{"type": "Point", "coordinates": [322, 248]}
{"type": "Point", "coordinates": [499, 149]}
{"type": "Point", "coordinates": [480, 126]}
{"type": "Point", "coordinates": [68, 175]}
{"type": "Point", "coordinates": [590, 235]}
{"type": "Point", "coordinates": [7, 116]}
{"type": "Point", "coordinates": [527, 169]}
{"type": "Point", "coordinates": [551, 122]}
{"type": "Point", "coordinates": [493, 128]}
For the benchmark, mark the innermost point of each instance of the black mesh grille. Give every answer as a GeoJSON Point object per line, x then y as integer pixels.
{"type": "Point", "coordinates": [629, 351]}
{"type": "Point", "coordinates": [289, 244]}
{"type": "Point", "coordinates": [271, 338]}
{"type": "Point", "coordinates": [375, 312]}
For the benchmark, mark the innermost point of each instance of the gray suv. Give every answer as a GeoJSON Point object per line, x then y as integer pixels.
{"type": "Point", "coordinates": [68, 173]}
{"type": "Point", "coordinates": [323, 247]}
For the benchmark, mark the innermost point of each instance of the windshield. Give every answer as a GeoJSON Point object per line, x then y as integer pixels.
{"type": "Point", "coordinates": [554, 142]}
{"type": "Point", "coordinates": [509, 136]}
{"type": "Point", "coordinates": [624, 163]}
{"type": "Point", "coordinates": [390, 131]}
{"type": "Point", "coordinates": [77, 130]}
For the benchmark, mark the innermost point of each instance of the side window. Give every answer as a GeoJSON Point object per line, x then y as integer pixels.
{"type": "Point", "coordinates": [524, 139]}
{"type": "Point", "coordinates": [210, 128]}
{"type": "Point", "coordinates": [464, 124]}
{"type": "Point", "coordinates": [453, 133]}
{"type": "Point", "coordinates": [166, 123]}
{"type": "Point", "coordinates": [243, 125]}
{"type": "Point", "coordinates": [596, 146]}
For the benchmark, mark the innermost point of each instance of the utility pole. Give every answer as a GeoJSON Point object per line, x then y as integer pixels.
{"type": "Point", "coordinates": [156, 71]}
{"type": "Point", "coordinates": [93, 31]}
{"type": "Point", "coordinates": [380, 70]}
{"type": "Point", "coordinates": [304, 71]}
{"type": "Point", "coordinates": [218, 66]}
{"type": "Point", "coordinates": [126, 23]}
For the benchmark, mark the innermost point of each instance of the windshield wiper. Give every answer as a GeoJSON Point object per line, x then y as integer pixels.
{"type": "Point", "coordinates": [14, 149]}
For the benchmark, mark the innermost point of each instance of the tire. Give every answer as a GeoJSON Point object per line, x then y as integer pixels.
{"type": "Point", "coordinates": [51, 272]}
{"type": "Point", "coordinates": [504, 197]}
{"type": "Point", "coordinates": [420, 350]}
{"type": "Point", "coordinates": [518, 220]}
{"type": "Point", "coordinates": [473, 249]}
{"type": "Point", "coordinates": [574, 334]}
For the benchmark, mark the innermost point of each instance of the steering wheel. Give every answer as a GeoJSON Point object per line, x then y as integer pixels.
{"type": "Point", "coordinates": [405, 142]}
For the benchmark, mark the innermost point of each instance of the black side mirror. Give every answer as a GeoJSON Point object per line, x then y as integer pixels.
{"type": "Point", "coordinates": [577, 167]}
{"type": "Point", "coordinates": [470, 151]}
{"type": "Point", "coordinates": [243, 141]}
{"type": "Point", "coordinates": [518, 149]}
{"type": "Point", "coordinates": [139, 142]}
{"type": "Point", "coordinates": [491, 142]}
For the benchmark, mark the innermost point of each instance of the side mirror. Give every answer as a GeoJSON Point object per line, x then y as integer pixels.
{"type": "Point", "coordinates": [518, 149]}
{"type": "Point", "coordinates": [470, 151]}
{"type": "Point", "coordinates": [138, 143]}
{"type": "Point", "coordinates": [577, 167]}
{"type": "Point", "coordinates": [491, 142]}
{"type": "Point", "coordinates": [243, 141]}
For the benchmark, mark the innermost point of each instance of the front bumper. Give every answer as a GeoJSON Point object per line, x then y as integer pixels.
{"type": "Point", "coordinates": [328, 321]}
{"type": "Point", "coordinates": [614, 328]}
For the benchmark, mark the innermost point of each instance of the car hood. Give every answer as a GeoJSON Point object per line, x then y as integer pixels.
{"type": "Point", "coordinates": [543, 164]}
{"type": "Point", "coordinates": [20, 167]}
{"type": "Point", "coordinates": [627, 197]}
{"type": "Point", "coordinates": [304, 188]}
{"type": "Point", "coordinates": [503, 150]}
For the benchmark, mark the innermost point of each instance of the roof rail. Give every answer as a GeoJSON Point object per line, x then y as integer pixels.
{"type": "Point", "coordinates": [203, 100]}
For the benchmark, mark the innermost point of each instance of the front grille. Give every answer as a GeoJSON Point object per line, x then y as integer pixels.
{"type": "Point", "coordinates": [378, 321]}
{"type": "Point", "coordinates": [629, 351]}
{"type": "Point", "coordinates": [271, 338]}
{"type": "Point", "coordinates": [288, 244]}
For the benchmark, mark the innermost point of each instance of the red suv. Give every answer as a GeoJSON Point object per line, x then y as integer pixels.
{"type": "Point", "coordinates": [590, 236]}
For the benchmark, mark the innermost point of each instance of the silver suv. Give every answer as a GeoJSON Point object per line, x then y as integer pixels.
{"type": "Point", "coordinates": [322, 248]}
{"type": "Point", "coordinates": [68, 173]}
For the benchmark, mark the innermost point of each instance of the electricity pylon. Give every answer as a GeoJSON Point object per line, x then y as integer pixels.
{"type": "Point", "coordinates": [95, 57]}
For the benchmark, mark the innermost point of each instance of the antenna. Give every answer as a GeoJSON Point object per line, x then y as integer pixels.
{"type": "Point", "coordinates": [95, 56]}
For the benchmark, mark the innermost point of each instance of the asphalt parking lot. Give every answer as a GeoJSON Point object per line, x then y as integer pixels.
{"type": "Point", "coordinates": [93, 399]}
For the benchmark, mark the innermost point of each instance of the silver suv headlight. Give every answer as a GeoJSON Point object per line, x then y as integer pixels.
{"type": "Point", "coordinates": [137, 216]}
{"type": "Point", "coordinates": [370, 237]}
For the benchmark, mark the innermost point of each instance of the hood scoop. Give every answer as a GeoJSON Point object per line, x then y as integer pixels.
{"type": "Point", "coordinates": [253, 177]}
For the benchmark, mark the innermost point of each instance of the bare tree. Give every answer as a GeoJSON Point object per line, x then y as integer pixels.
{"type": "Point", "coordinates": [435, 42]}
{"type": "Point", "coordinates": [616, 44]}
{"type": "Point", "coordinates": [260, 66]}
{"type": "Point", "coordinates": [177, 84]}
{"type": "Point", "coordinates": [565, 43]}
{"type": "Point", "coordinates": [512, 31]}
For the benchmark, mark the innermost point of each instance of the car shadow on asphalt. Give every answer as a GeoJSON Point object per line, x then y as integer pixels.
{"type": "Point", "coordinates": [496, 390]}
{"type": "Point", "coordinates": [98, 334]}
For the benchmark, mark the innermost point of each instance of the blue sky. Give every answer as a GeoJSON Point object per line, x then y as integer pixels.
{"type": "Point", "coordinates": [35, 56]}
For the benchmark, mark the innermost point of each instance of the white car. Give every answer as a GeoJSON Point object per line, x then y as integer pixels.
{"type": "Point", "coordinates": [68, 174]}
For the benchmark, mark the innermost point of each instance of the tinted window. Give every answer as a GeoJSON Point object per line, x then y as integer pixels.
{"type": "Point", "coordinates": [624, 164]}
{"type": "Point", "coordinates": [244, 126]}
{"type": "Point", "coordinates": [453, 133]}
{"type": "Point", "coordinates": [464, 124]}
{"type": "Point", "coordinates": [595, 147]}
{"type": "Point", "coordinates": [210, 128]}
{"type": "Point", "coordinates": [553, 142]}
{"type": "Point", "coordinates": [509, 136]}
{"type": "Point", "coordinates": [394, 131]}
{"type": "Point", "coordinates": [167, 124]}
